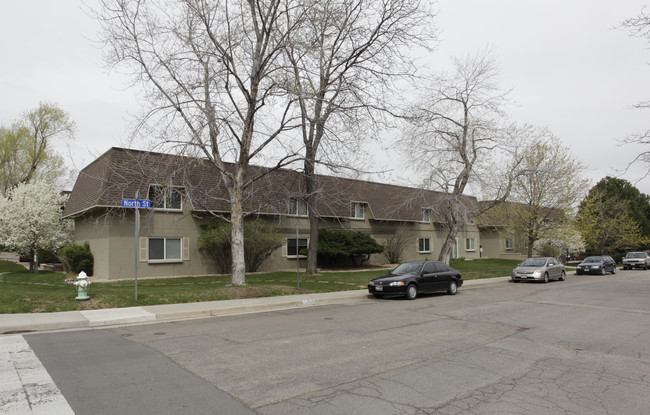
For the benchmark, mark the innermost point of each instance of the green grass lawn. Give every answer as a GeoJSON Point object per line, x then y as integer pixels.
{"type": "Point", "coordinates": [8, 266]}
{"type": "Point", "coordinates": [24, 292]}
{"type": "Point", "coordinates": [484, 268]}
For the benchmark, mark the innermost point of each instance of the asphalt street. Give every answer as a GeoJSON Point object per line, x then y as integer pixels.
{"type": "Point", "coordinates": [573, 347]}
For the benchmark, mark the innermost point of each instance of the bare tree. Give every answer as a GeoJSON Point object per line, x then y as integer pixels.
{"type": "Point", "coordinates": [639, 26]}
{"type": "Point", "coordinates": [458, 133]}
{"type": "Point", "coordinates": [213, 74]}
{"type": "Point", "coordinates": [345, 63]}
{"type": "Point", "coordinates": [395, 245]}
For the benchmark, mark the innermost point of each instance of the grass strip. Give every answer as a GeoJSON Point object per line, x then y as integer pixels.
{"type": "Point", "coordinates": [22, 291]}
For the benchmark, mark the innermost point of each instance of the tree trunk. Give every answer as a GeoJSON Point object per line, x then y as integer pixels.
{"type": "Point", "coordinates": [312, 256]}
{"type": "Point", "coordinates": [445, 251]}
{"type": "Point", "coordinates": [237, 236]}
{"type": "Point", "coordinates": [532, 237]}
{"type": "Point", "coordinates": [312, 210]}
{"type": "Point", "coordinates": [529, 253]}
{"type": "Point", "coordinates": [35, 261]}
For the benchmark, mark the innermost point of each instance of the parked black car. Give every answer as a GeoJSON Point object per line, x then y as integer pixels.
{"type": "Point", "coordinates": [597, 265]}
{"type": "Point", "coordinates": [412, 278]}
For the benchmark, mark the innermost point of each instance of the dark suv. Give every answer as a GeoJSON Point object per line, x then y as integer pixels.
{"type": "Point", "coordinates": [636, 260]}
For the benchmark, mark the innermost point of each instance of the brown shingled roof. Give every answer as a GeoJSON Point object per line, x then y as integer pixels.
{"type": "Point", "coordinates": [119, 173]}
{"type": "Point", "coordinates": [494, 216]}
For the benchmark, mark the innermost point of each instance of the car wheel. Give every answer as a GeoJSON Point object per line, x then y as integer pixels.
{"type": "Point", "coordinates": [453, 288]}
{"type": "Point", "coordinates": [563, 276]}
{"type": "Point", "coordinates": [411, 292]}
{"type": "Point", "coordinates": [378, 295]}
{"type": "Point", "coordinates": [614, 270]}
{"type": "Point", "coordinates": [546, 278]}
{"type": "Point", "coordinates": [645, 267]}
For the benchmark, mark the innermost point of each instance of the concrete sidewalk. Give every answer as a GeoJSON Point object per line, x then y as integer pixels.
{"type": "Point", "coordinates": [18, 323]}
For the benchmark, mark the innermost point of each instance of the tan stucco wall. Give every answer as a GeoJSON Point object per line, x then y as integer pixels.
{"type": "Point", "coordinates": [87, 230]}
{"type": "Point", "coordinates": [494, 245]}
{"type": "Point", "coordinates": [381, 231]}
{"type": "Point", "coordinates": [112, 241]}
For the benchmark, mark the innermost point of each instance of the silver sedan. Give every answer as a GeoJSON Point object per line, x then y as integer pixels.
{"type": "Point", "coordinates": [539, 269]}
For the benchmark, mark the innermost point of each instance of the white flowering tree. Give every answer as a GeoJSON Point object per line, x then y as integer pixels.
{"type": "Point", "coordinates": [31, 220]}
{"type": "Point", "coordinates": [564, 240]}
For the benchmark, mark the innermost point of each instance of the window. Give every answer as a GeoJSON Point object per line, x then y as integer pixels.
{"type": "Point", "coordinates": [165, 249]}
{"type": "Point", "coordinates": [166, 197]}
{"type": "Point", "coordinates": [294, 246]}
{"type": "Point", "coordinates": [357, 210]}
{"type": "Point", "coordinates": [426, 215]}
{"type": "Point", "coordinates": [469, 244]}
{"type": "Point", "coordinates": [297, 207]}
{"type": "Point", "coordinates": [509, 243]}
{"type": "Point", "coordinates": [424, 245]}
{"type": "Point", "coordinates": [429, 268]}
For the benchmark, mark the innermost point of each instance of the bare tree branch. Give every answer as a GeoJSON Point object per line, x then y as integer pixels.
{"type": "Point", "coordinates": [458, 126]}
{"type": "Point", "coordinates": [343, 67]}
{"type": "Point", "coordinates": [209, 69]}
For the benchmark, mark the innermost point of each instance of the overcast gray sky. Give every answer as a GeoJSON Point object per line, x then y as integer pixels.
{"type": "Point", "coordinates": [569, 69]}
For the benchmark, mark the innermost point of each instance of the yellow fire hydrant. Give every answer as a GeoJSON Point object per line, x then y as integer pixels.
{"type": "Point", "coordinates": [82, 284]}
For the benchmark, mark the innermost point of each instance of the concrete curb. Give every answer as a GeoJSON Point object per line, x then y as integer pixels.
{"type": "Point", "coordinates": [115, 316]}
{"type": "Point", "coordinates": [19, 323]}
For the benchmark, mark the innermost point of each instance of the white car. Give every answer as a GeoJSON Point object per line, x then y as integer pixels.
{"type": "Point", "coordinates": [636, 260]}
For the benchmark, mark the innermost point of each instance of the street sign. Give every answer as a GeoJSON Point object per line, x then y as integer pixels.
{"type": "Point", "coordinates": [136, 203]}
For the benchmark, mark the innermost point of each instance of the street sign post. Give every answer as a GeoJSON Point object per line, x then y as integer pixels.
{"type": "Point", "coordinates": [137, 204]}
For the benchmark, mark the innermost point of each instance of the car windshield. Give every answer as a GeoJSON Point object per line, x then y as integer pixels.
{"type": "Point", "coordinates": [635, 255]}
{"type": "Point", "coordinates": [593, 259]}
{"type": "Point", "coordinates": [533, 262]}
{"type": "Point", "coordinates": [407, 268]}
